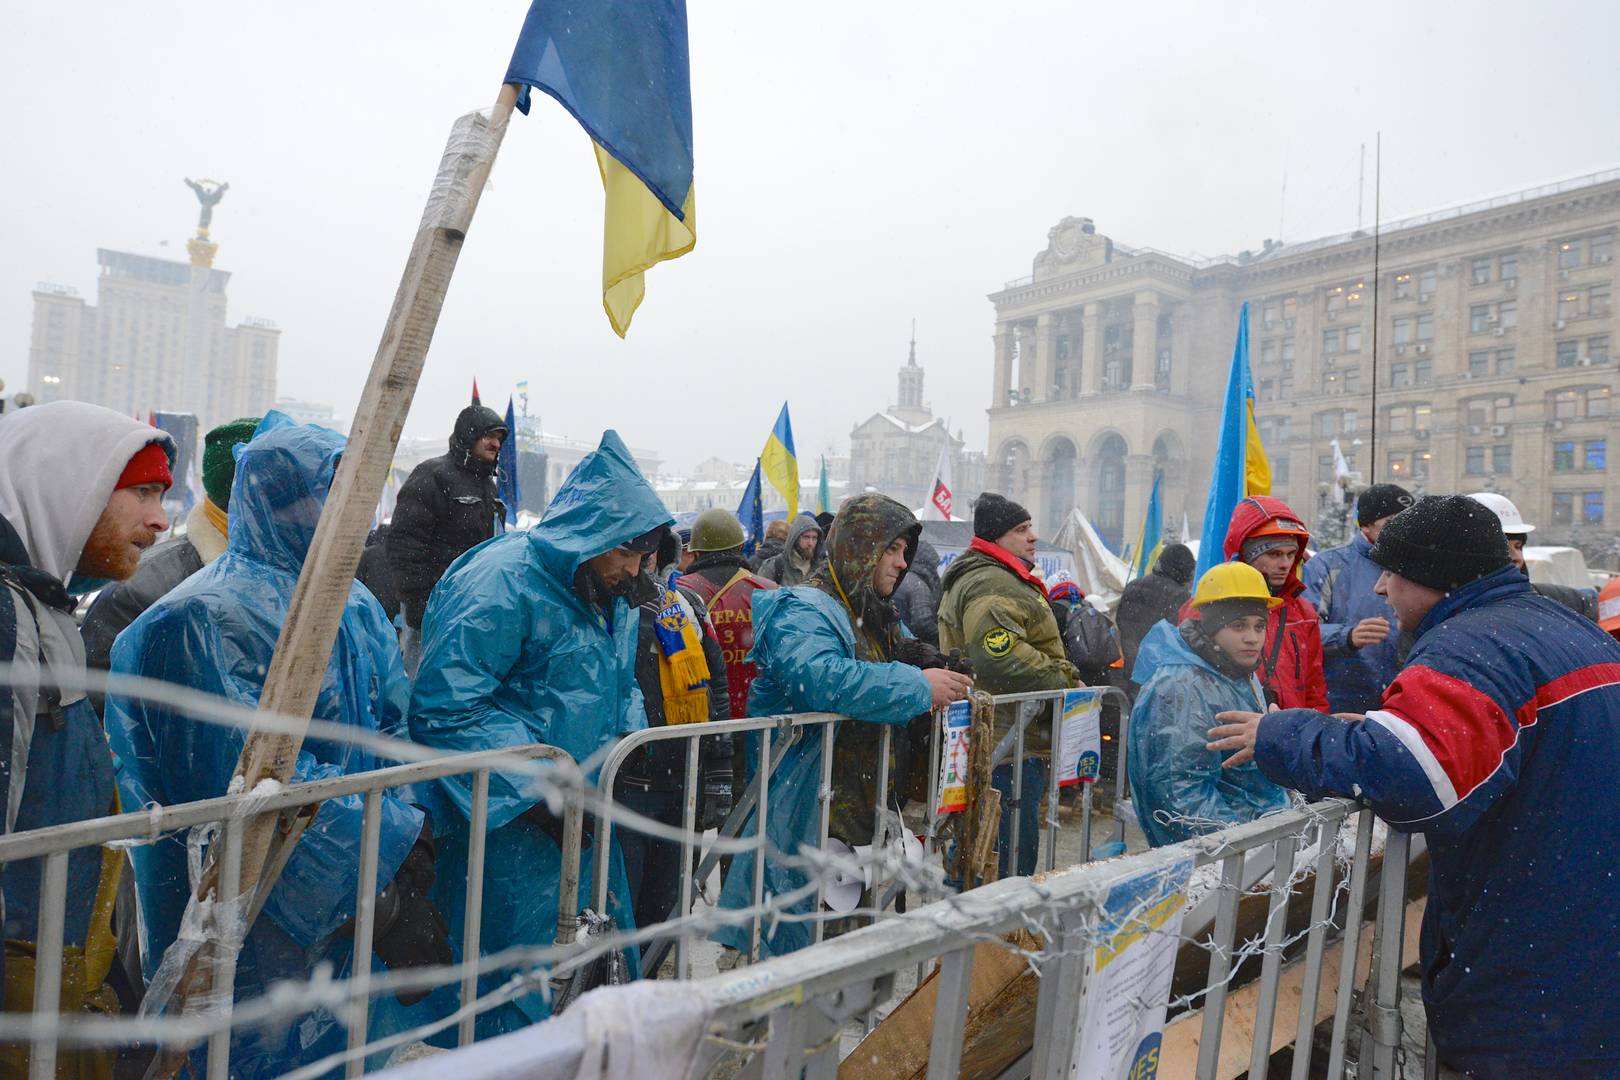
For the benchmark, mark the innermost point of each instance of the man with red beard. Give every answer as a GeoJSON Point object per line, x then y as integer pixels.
{"type": "Point", "coordinates": [81, 491]}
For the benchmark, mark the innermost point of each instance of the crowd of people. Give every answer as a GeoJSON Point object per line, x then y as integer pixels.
{"type": "Point", "coordinates": [1415, 668]}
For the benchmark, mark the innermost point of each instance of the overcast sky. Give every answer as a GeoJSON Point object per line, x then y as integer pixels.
{"type": "Point", "coordinates": [858, 165]}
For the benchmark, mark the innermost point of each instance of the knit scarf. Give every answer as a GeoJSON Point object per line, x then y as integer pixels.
{"type": "Point", "coordinates": [1009, 560]}
{"type": "Point", "coordinates": [683, 674]}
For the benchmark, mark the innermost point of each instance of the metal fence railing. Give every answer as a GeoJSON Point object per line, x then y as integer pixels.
{"type": "Point", "coordinates": [787, 1012]}
{"type": "Point", "coordinates": [45, 1029]}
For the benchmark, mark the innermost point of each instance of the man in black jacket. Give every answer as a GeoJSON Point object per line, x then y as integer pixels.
{"type": "Point", "coordinates": [446, 507]}
{"type": "Point", "coordinates": [1148, 599]}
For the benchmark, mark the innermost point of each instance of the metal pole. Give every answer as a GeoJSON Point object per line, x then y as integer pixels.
{"type": "Point", "coordinates": [1351, 945]}
{"type": "Point", "coordinates": [365, 913]}
{"type": "Point", "coordinates": [48, 966]}
{"type": "Point", "coordinates": [1384, 1002]}
{"type": "Point", "coordinates": [823, 822]}
{"type": "Point", "coordinates": [683, 958]}
{"type": "Point", "coordinates": [1271, 963]}
{"type": "Point", "coordinates": [473, 918]}
{"type": "Point", "coordinates": [760, 819]}
{"type": "Point", "coordinates": [230, 940]}
{"type": "Point", "coordinates": [1220, 967]}
{"type": "Point", "coordinates": [1052, 759]}
{"type": "Point", "coordinates": [1315, 943]}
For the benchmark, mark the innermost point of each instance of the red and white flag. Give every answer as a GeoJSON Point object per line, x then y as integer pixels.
{"type": "Point", "coordinates": [938, 506]}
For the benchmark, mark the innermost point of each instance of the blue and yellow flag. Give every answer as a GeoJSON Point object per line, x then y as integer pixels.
{"type": "Point", "coordinates": [621, 67]}
{"type": "Point", "coordinates": [780, 463]}
{"type": "Point", "coordinates": [751, 512]}
{"type": "Point", "coordinates": [1241, 468]}
{"type": "Point", "coordinates": [823, 490]}
{"type": "Point", "coordinates": [1151, 541]}
{"type": "Point", "coordinates": [506, 469]}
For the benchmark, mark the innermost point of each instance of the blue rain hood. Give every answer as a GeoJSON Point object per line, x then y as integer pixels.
{"type": "Point", "coordinates": [604, 502]}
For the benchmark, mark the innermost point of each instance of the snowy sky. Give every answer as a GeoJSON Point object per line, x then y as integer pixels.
{"type": "Point", "coordinates": [858, 165]}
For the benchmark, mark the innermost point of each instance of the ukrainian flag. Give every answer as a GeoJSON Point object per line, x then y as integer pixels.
{"type": "Point", "coordinates": [621, 68]}
{"type": "Point", "coordinates": [780, 463]}
{"type": "Point", "coordinates": [1241, 468]}
{"type": "Point", "coordinates": [1151, 542]}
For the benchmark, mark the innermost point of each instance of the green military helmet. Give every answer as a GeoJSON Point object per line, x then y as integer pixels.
{"type": "Point", "coordinates": [716, 530]}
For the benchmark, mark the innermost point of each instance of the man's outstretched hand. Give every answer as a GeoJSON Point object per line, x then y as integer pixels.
{"type": "Point", "coordinates": [1235, 731]}
{"type": "Point", "coordinates": [947, 686]}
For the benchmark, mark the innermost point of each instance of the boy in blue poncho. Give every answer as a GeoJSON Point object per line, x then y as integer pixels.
{"type": "Point", "coordinates": [216, 632]}
{"type": "Point", "coordinates": [530, 638]}
{"type": "Point", "coordinates": [1189, 673]}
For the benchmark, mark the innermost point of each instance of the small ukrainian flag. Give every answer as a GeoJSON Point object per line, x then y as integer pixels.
{"type": "Point", "coordinates": [780, 463]}
{"type": "Point", "coordinates": [621, 68]}
{"type": "Point", "coordinates": [1241, 468]}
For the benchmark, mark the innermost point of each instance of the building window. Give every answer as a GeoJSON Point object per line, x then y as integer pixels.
{"type": "Point", "coordinates": [1507, 267]}
{"type": "Point", "coordinates": [1426, 286]}
{"type": "Point", "coordinates": [1400, 419]}
{"type": "Point", "coordinates": [1425, 327]}
{"type": "Point", "coordinates": [1597, 349]}
{"type": "Point", "coordinates": [1352, 420]}
{"type": "Point", "coordinates": [1480, 271]}
{"type": "Point", "coordinates": [1504, 361]}
{"type": "Point", "coordinates": [1601, 248]}
{"type": "Point", "coordinates": [1268, 316]}
{"type": "Point", "coordinates": [1507, 314]}
{"type": "Point", "coordinates": [1268, 351]}
{"type": "Point", "coordinates": [1324, 469]}
{"type": "Point", "coordinates": [1423, 372]}
{"type": "Point", "coordinates": [1330, 342]}
{"type": "Point", "coordinates": [1479, 364]}
{"type": "Point", "coordinates": [1327, 423]}
{"type": "Point", "coordinates": [1397, 466]}
{"type": "Point", "coordinates": [1479, 318]}
{"type": "Point", "coordinates": [1502, 459]}
{"type": "Point", "coordinates": [1592, 507]}
{"type": "Point", "coordinates": [1285, 388]}
{"type": "Point", "coordinates": [1352, 381]}
{"type": "Point", "coordinates": [1403, 331]}
{"type": "Point", "coordinates": [1400, 375]}
{"type": "Point", "coordinates": [1290, 309]}
{"type": "Point", "coordinates": [1569, 353]}
{"type": "Point", "coordinates": [1597, 300]}
{"type": "Point", "coordinates": [1335, 298]}
{"type": "Point", "coordinates": [1597, 403]}
{"type": "Point", "coordinates": [1288, 350]}
{"type": "Point", "coordinates": [1474, 461]}
{"type": "Point", "coordinates": [1569, 306]}
{"type": "Point", "coordinates": [1563, 507]}
{"type": "Point", "coordinates": [1352, 339]}
{"type": "Point", "coordinates": [1420, 465]}
{"type": "Point", "coordinates": [1331, 383]}
{"type": "Point", "coordinates": [1565, 403]}
{"type": "Point", "coordinates": [1279, 470]}
{"type": "Point", "coordinates": [1161, 371]}
{"type": "Point", "coordinates": [1268, 389]}
{"type": "Point", "coordinates": [1403, 286]}
{"type": "Point", "coordinates": [1596, 456]}
{"type": "Point", "coordinates": [1352, 298]}
{"type": "Point", "coordinates": [1563, 457]}
{"type": "Point", "coordinates": [1569, 254]}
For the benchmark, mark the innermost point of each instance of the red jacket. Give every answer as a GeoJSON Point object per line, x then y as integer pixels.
{"type": "Point", "coordinates": [730, 603]}
{"type": "Point", "coordinates": [1291, 666]}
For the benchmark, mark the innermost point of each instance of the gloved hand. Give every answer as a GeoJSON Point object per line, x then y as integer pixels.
{"type": "Point", "coordinates": [411, 931]}
{"type": "Point", "coordinates": [552, 825]}
{"type": "Point", "coordinates": [919, 654]}
{"type": "Point", "coordinates": [715, 804]}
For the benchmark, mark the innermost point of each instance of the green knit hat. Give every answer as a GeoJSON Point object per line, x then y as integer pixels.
{"type": "Point", "coordinates": [218, 461]}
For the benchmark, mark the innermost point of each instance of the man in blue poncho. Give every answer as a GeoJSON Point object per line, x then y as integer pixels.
{"type": "Point", "coordinates": [216, 632]}
{"type": "Point", "coordinates": [1189, 673]}
{"type": "Point", "coordinates": [830, 645]}
{"type": "Point", "coordinates": [529, 638]}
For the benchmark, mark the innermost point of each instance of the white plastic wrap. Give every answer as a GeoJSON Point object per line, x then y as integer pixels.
{"type": "Point", "coordinates": [207, 924]}
{"type": "Point", "coordinates": [467, 155]}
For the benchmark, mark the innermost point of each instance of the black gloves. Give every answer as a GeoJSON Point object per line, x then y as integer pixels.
{"type": "Point", "coordinates": [715, 805]}
{"type": "Point", "coordinates": [540, 816]}
{"type": "Point", "coordinates": [920, 654]}
{"type": "Point", "coordinates": [411, 932]}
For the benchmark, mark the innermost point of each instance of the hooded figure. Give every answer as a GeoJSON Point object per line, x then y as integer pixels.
{"type": "Point", "coordinates": [215, 632]}
{"type": "Point", "coordinates": [792, 566]}
{"type": "Point", "coordinates": [1291, 669]}
{"type": "Point", "coordinates": [1158, 595]}
{"type": "Point", "coordinates": [827, 646]}
{"type": "Point", "coordinates": [524, 642]}
{"type": "Point", "coordinates": [917, 598]}
{"type": "Point", "coordinates": [448, 505]}
{"type": "Point", "coordinates": [1180, 787]}
{"type": "Point", "coordinates": [60, 465]}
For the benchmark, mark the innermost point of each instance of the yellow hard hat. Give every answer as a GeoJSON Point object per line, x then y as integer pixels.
{"type": "Point", "coordinates": [1233, 581]}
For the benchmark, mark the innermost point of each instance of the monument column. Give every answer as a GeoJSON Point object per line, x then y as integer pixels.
{"type": "Point", "coordinates": [1091, 353]}
{"type": "Point", "coordinates": [1045, 357]}
{"type": "Point", "coordinates": [1027, 354]}
{"type": "Point", "coordinates": [1003, 366]}
{"type": "Point", "coordinates": [1145, 339]}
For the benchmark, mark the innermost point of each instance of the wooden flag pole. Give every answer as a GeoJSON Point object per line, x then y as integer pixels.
{"type": "Point", "coordinates": [310, 631]}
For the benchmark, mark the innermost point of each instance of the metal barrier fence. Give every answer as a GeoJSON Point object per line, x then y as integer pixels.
{"type": "Point", "coordinates": [790, 1010]}
{"type": "Point", "coordinates": [777, 734]}
{"type": "Point", "coordinates": [48, 1028]}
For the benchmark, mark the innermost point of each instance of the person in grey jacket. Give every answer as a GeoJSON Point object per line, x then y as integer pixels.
{"type": "Point", "coordinates": [799, 555]}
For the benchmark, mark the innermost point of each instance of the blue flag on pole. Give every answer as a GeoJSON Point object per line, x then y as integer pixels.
{"type": "Point", "coordinates": [1151, 542]}
{"type": "Point", "coordinates": [1241, 468]}
{"type": "Point", "coordinates": [751, 512]}
{"type": "Point", "coordinates": [506, 468]}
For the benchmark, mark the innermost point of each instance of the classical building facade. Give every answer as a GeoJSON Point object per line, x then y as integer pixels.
{"type": "Point", "coordinates": [156, 339]}
{"type": "Point", "coordinates": [897, 451]}
{"type": "Point", "coordinates": [1493, 367]}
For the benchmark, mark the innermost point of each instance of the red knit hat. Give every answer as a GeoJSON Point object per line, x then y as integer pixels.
{"type": "Point", "coordinates": [150, 465]}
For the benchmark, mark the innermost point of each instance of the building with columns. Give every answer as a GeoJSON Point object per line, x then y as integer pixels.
{"type": "Point", "coordinates": [1493, 367]}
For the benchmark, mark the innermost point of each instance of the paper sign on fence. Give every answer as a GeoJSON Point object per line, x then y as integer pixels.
{"type": "Point", "coordinates": [1081, 745]}
{"type": "Point", "coordinates": [1128, 982]}
{"type": "Point", "coordinates": [953, 762]}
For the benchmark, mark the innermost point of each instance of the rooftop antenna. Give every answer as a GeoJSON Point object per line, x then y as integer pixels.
{"type": "Point", "coordinates": [913, 359]}
{"type": "Point", "coordinates": [1378, 204]}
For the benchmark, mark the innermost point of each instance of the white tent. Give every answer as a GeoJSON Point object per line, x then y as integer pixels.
{"type": "Point", "coordinates": [1100, 573]}
{"type": "Point", "coordinates": [1557, 566]}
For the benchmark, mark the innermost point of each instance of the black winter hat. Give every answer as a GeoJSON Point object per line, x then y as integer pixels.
{"type": "Point", "coordinates": [1443, 541]}
{"type": "Point", "coordinates": [1176, 562]}
{"type": "Point", "coordinates": [994, 516]}
{"type": "Point", "coordinates": [1381, 501]}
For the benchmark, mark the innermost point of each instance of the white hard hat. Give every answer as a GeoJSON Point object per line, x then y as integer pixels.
{"type": "Point", "coordinates": [1513, 523]}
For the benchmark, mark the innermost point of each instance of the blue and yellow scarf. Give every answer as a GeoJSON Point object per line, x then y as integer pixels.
{"type": "Point", "coordinates": [683, 673]}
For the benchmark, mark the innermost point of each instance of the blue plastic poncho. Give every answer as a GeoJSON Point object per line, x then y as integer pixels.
{"type": "Point", "coordinates": [1180, 788]}
{"type": "Point", "coordinates": [512, 655]}
{"type": "Point", "coordinates": [215, 632]}
{"type": "Point", "coordinates": [805, 650]}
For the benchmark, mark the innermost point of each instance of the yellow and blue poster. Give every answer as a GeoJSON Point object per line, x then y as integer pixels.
{"type": "Point", "coordinates": [953, 760]}
{"type": "Point", "coordinates": [1080, 743]}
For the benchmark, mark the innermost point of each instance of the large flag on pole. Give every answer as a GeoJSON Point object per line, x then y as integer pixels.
{"type": "Point", "coordinates": [780, 463]}
{"type": "Point", "coordinates": [823, 490]}
{"type": "Point", "coordinates": [1241, 468]}
{"type": "Point", "coordinates": [506, 468]}
{"type": "Point", "coordinates": [751, 512]}
{"type": "Point", "coordinates": [938, 506]}
{"type": "Point", "coordinates": [1151, 540]}
{"type": "Point", "coordinates": [621, 68]}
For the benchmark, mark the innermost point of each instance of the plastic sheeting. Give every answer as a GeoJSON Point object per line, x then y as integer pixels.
{"type": "Point", "coordinates": [513, 656]}
{"type": "Point", "coordinates": [1179, 787]}
{"type": "Point", "coordinates": [216, 632]}
{"type": "Point", "coordinates": [1100, 573]}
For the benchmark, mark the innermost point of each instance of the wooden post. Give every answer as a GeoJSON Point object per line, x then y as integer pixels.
{"type": "Point", "coordinates": [307, 637]}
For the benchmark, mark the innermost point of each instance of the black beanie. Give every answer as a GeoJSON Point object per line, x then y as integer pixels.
{"type": "Point", "coordinates": [1381, 501]}
{"type": "Point", "coordinates": [994, 516]}
{"type": "Point", "coordinates": [1176, 562]}
{"type": "Point", "coordinates": [1443, 541]}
